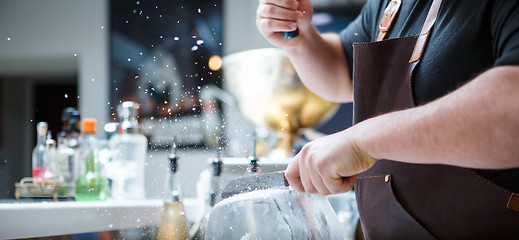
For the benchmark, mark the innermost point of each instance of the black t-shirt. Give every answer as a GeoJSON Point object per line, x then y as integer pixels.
{"type": "Point", "coordinates": [468, 38]}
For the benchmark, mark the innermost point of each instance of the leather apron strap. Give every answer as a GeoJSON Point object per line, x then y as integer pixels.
{"type": "Point", "coordinates": [426, 30]}
{"type": "Point", "coordinates": [387, 19]}
{"type": "Point", "coordinates": [389, 16]}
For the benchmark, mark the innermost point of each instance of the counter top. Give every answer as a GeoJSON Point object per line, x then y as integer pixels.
{"type": "Point", "coordinates": [37, 219]}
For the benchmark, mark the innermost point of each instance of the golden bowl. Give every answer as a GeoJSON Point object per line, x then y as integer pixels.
{"type": "Point", "coordinates": [270, 94]}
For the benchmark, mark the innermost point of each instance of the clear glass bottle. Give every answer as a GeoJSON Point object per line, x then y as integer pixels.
{"type": "Point", "coordinates": [66, 158]}
{"type": "Point", "coordinates": [39, 153]}
{"type": "Point", "coordinates": [129, 147]}
{"type": "Point", "coordinates": [173, 222]}
{"type": "Point", "coordinates": [91, 186]}
{"type": "Point", "coordinates": [65, 161]}
{"type": "Point", "coordinates": [48, 172]}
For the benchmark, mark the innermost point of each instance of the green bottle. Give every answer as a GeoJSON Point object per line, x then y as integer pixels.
{"type": "Point", "coordinates": [91, 186]}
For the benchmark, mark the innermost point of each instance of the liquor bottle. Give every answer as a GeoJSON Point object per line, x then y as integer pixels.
{"type": "Point", "coordinates": [129, 147]}
{"type": "Point", "coordinates": [65, 161]}
{"type": "Point", "coordinates": [91, 186]}
{"type": "Point", "coordinates": [173, 223]}
{"type": "Point", "coordinates": [48, 172]}
{"type": "Point", "coordinates": [39, 153]}
{"type": "Point", "coordinates": [67, 158]}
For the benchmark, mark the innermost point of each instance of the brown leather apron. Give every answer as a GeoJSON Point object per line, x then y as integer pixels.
{"type": "Point", "coordinates": [418, 201]}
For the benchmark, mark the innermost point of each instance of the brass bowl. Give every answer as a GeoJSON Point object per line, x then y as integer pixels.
{"type": "Point", "coordinates": [270, 94]}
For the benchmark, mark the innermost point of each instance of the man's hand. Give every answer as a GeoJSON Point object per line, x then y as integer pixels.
{"type": "Point", "coordinates": [277, 16]}
{"type": "Point", "coordinates": [328, 165]}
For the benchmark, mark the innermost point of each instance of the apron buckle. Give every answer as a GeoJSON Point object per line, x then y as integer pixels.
{"type": "Point", "coordinates": [513, 202]}
{"type": "Point", "coordinates": [388, 17]}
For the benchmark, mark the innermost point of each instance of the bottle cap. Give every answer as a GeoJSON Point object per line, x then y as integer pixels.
{"type": "Point", "coordinates": [128, 113]}
{"type": "Point", "coordinates": [89, 125]}
{"type": "Point", "coordinates": [42, 128]}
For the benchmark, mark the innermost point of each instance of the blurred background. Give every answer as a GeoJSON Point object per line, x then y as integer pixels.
{"type": "Point", "coordinates": [165, 55]}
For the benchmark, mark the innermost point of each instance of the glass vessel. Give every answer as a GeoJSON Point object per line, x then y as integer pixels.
{"type": "Point", "coordinates": [173, 223]}
{"type": "Point", "coordinates": [129, 147]}
{"type": "Point", "coordinates": [68, 153]}
{"type": "Point", "coordinates": [273, 214]}
{"type": "Point", "coordinates": [48, 172]}
{"type": "Point", "coordinates": [65, 161]}
{"type": "Point", "coordinates": [39, 153]}
{"type": "Point", "coordinates": [91, 186]}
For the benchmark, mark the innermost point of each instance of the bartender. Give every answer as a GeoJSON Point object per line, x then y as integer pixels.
{"type": "Point", "coordinates": [434, 153]}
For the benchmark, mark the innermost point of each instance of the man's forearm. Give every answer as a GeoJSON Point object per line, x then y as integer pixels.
{"type": "Point", "coordinates": [476, 126]}
{"type": "Point", "coordinates": [320, 62]}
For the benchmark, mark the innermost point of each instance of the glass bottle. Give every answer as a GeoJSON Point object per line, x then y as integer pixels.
{"type": "Point", "coordinates": [91, 186]}
{"type": "Point", "coordinates": [65, 161]}
{"type": "Point", "coordinates": [173, 223]}
{"type": "Point", "coordinates": [48, 172]}
{"type": "Point", "coordinates": [129, 147]}
{"type": "Point", "coordinates": [67, 152]}
{"type": "Point", "coordinates": [39, 153]}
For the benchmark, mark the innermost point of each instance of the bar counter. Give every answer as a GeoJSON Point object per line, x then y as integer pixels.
{"type": "Point", "coordinates": [40, 219]}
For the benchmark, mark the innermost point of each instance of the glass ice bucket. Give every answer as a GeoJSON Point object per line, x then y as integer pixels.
{"type": "Point", "coordinates": [273, 214]}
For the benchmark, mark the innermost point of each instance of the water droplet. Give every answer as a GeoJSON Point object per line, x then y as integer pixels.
{"type": "Point", "coordinates": [199, 10]}
{"type": "Point", "coordinates": [176, 38]}
{"type": "Point", "coordinates": [8, 39]}
{"type": "Point", "coordinates": [93, 79]}
{"type": "Point", "coordinates": [129, 59]}
{"type": "Point", "coordinates": [200, 42]}
{"type": "Point", "coordinates": [194, 48]}
{"type": "Point", "coordinates": [66, 95]}
{"type": "Point", "coordinates": [110, 225]}
{"type": "Point", "coordinates": [75, 54]}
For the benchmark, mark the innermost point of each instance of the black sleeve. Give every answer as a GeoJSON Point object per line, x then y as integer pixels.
{"type": "Point", "coordinates": [359, 30]}
{"type": "Point", "coordinates": [505, 32]}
